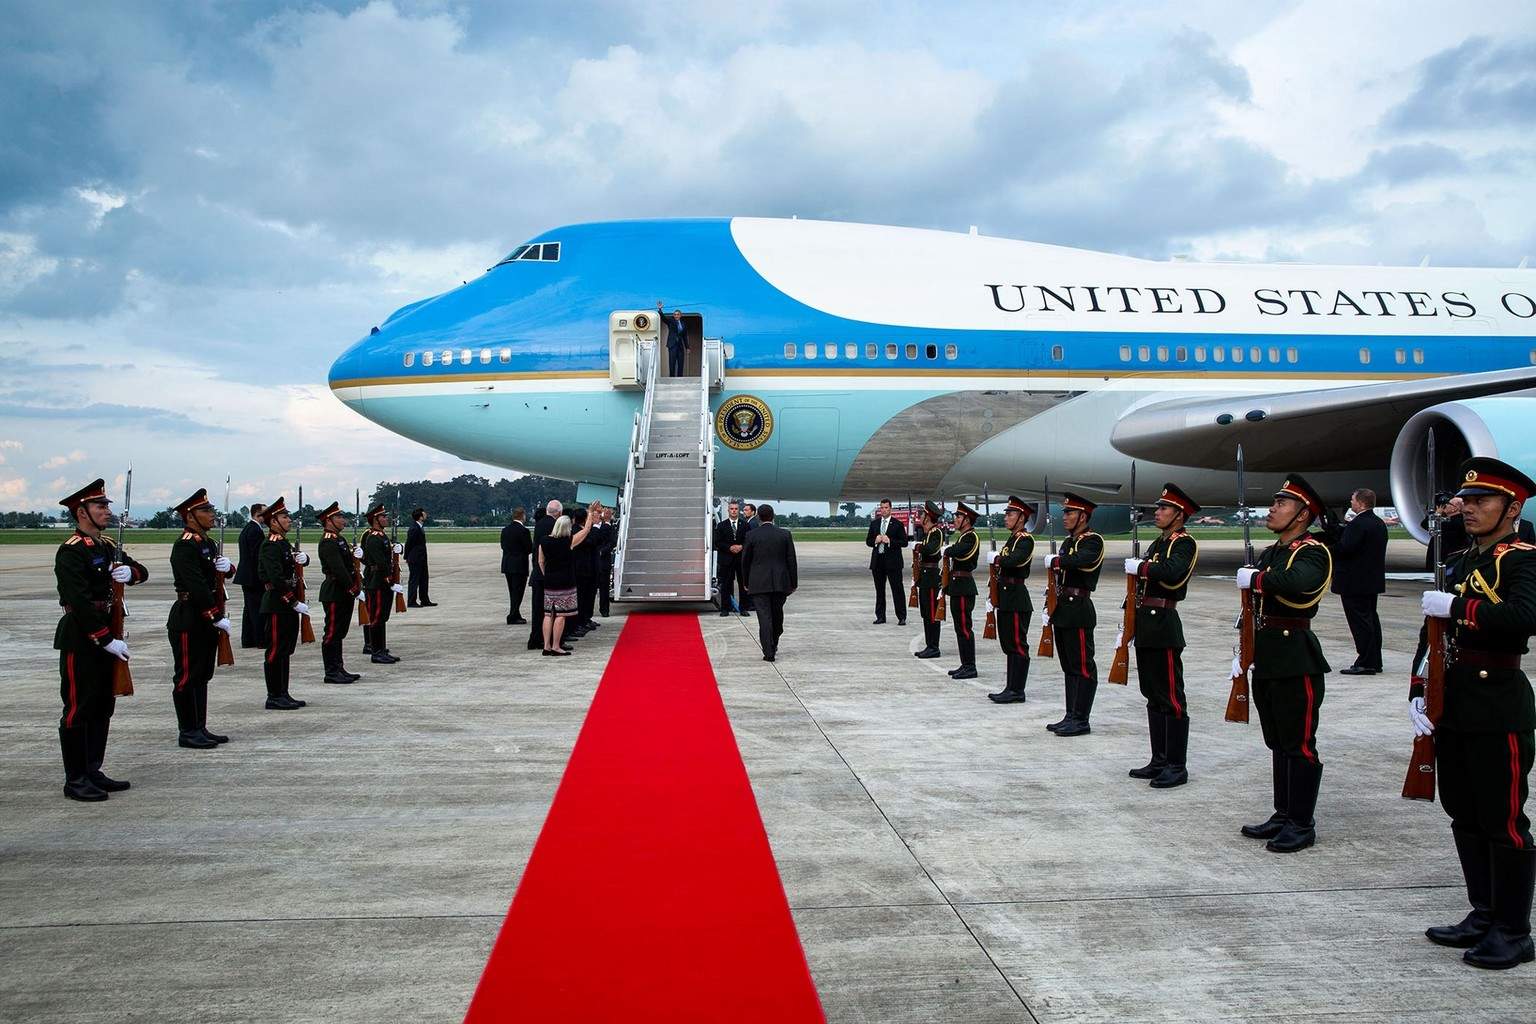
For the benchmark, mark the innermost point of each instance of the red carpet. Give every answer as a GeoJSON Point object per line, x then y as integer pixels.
{"type": "Point", "coordinates": [651, 894]}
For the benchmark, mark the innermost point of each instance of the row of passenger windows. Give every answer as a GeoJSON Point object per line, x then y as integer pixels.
{"type": "Point", "coordinates": [829, 350]}
{"type": "Point", "coordinates": [1253, 354]}
{"type": "Point", "coordinates": [466, 356]}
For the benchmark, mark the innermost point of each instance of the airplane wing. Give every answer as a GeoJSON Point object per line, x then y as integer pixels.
{"type": "Point", "coordinates": [1338, 428]}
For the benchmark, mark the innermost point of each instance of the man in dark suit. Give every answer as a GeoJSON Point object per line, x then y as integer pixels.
{"type": "Point", "coordinates": [416, 558]}
{"type": "Point", "coordinates": [887, 540]}
{"type": "Point", "coordinates": [730, 535]}
{"type": "Point", "coordinates": [768, 567]}
{"type": "Point", "coordinates": [610, 541]}
{"type": "Point", "coordinates": [541, 528]}
{"type": "Point", "coordinates": [677, 341]}
{"type": "Point", "coordinates": [251, 536]}
{"type": "Point", "coordinates": [1359, 577]}
{"type": "Point", "coordinates": [516, 547]}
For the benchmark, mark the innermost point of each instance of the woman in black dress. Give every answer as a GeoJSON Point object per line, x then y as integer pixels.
{"type": "Point", "coordinates": [556, 563]}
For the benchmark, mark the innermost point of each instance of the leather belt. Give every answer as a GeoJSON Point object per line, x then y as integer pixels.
{"type": "Point", "coordinates": [1074, 591]}
{"type": "Point", "coordinates": [959, 572]}
{"type": "Point", "coordinates": [1277, 622]}
{"type": "Point", "coordinates": [1487, 659]}
{"type": "Point", "coordinates": [1157, 602]}
{"type": "Point", "coordinates": [1012, 579]}
{"type": "Point", "coordinates": [929, 565]}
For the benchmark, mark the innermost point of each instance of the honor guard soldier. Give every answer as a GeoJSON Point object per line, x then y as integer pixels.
{"type": "Point", "coordinates": [930, 556]}
{"type": "Point", "coordinates": [84, 568]}
{"type": "Point", "coordinates": [963, 554]}
{"type": "Point", "coordinates": [1014, 607]}
{"type": "Point", "coordinates": [1484, 733]}
{"type": "Point", "coordinates": [379, 589]}
{"type": "Point", "coordinates": [195, 620]}
{"type": "Point", "coordinates": [1077, 568]}
{"type": "Point", "coordinates": [1164, 581]}
{"type": "Point", "coordinates": [280, 605]}
{"type": "Point", "coordinates": [340, 589]}
{"type": "Point", "coordinates": [1291, 577]}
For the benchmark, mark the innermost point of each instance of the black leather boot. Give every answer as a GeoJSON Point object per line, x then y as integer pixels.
{"type": "Point", "coordinates": [367, 639]}
{"type": "Point", "coordinates": [1157, 733]}
{"type": "Point", "coordinates": [1508, 942]}
{"type": "Point", "coordinates": [330, 657]}
{"type": "Point", "coordinates": [1071, 704]}
{"type": "Point", "coordinates": [1173, 773]}
{"type": "Point", "coordinates": [202, 716]}
{"type": "Point", "coordinates": [74, 746]}
{"type": "Point", "coordinates": [1278, 781]}
{"type": "Point", "coordinates": [927, 652]}
{"type": "Point", "coordinates": [96, 738]}
{"type": "Point", "coordinates": [1082, 708]}
{"type": "Point", "coordinates": [1477, 870]}
{"type": "Point", "coordinates": [188, 732]}
{"type": "Point", "coordinates": [1303, 778]}
{"type": "Point", "coordinates": [1013, 690]}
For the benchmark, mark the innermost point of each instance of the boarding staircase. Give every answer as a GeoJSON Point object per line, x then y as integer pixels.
{"type": "Point", "coordinates": [664, 550]}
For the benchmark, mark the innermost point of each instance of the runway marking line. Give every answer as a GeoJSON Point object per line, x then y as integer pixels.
{"type": "Point", "coordinates": [651, 893]}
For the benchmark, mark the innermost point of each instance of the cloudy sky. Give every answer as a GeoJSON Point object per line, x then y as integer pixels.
{"type": "Point", "coordinates": [201, 204]}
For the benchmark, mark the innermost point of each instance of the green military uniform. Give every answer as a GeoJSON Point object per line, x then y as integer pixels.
{"type": "Point", "coordinates": [339, 590]}
{"type": "Point", "coordinates": [1014, 607]}
{"type": "Point", "coordinates": [82, 569]}
{"type": "Point", "coordinates": [1164, 581]}
{"type": "Point", "coordinates": [930, 553]}
{"type": "Point", "coordinates": [963, 552]}
{"type": "Point", "coordinates": [280, 619]}
{"type": "Point", "coordinates": [1288, 669]}
{"type": "Point", "coordinates": [1483, 738]}
{"type": "Point", "coordinates": [1077, 569]}
{"type": "Point", "coordinates": [190, 626]}
{"type": "Point", "coordinates": [378, 586]}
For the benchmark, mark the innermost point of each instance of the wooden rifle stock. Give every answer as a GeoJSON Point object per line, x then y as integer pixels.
{"type": "Point", "coordinates": [122, 678]}
{"type": "Point", "coordinates": [394, 579]}
{"type": "Point", "coordinates": [1120, 664]}
{"type": "Point", "coordinates": [943, 586]}
{"type": "Point", "coordinates": [989, 631]}
{"type": "Point", "coordinates": [1047, 648]}
{"type": "Point", "coordinates": [1420, 782]}
{"type": "Point", "coordinates": [1237, 703]}
{"type": "Point", "coordinates": [916, 571]}
{"type": "Point", "coordinates": [226, 650]}
{"type": "Point", "coordinates": [363, 618]}
{"type": "Point", "coordinates": [306, 630]}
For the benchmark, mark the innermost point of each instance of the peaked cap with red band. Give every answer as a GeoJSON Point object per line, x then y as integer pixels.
{"type": "Point", "coordinates": [334, 508]}
{"type": "Point", "coordinates": [935, 510]}
{"type": "Point", "coordinates": [271, 512]}
{"type": "Point", "coordinates": [375, 512]}
{"type": "Point", "coordinates": [1483, 475]}
{"type": "Point", "coordinates": [1018, 504]}
{"type": "Point", "coordinates": [1173, 497]}
{"type": "Point", "coordinates": [94, 491]}
{"type": "Point", "coordinates": [198, 500]}
{"type": "Point", "coordinates": [1297, 489]}
{"type": "Point", "coordinates": [962, 509]}
{"type": "Point", "coordinates": [1076, 503]}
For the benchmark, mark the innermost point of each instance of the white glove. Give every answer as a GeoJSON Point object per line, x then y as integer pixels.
{"type": "Point", "coordinates": [990, 556]}
{"type": "Point", "coordinates": [357, 552]}
{"type": "Point", "coordinates": [300, 558]}
{"type": "Point", "coordinates": [122, 574]}
{"type": "Point", "coordinates": [222, 624]}
{"type": "Point", "coordinates": [1133, 566]}
{"type": "Point", "coordinates": [117, 649]}
{"type": "Point", "coordinates": [1437, 603]}
{"type": "Point", "coordinates": [1245, 578]}
{"type": "Point", "coordinates": [397, 548]}
{"type": "Point", "coordinates": [221, 564]}
{"type": "Point", "coordinates": [1422, 726]}
{"type": "Point", "coordinates": [397, 588]}
{"type": "Point", "coordinates": [1045, 619]}
{"type": "Point", "coordinates": [361, 597]}
{"type": "Point", "coordinates": [1237, 667]}
{"type": "Point", "coordinates": [301, 607]}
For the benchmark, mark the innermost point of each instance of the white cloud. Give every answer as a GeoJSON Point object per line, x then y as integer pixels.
{"type": "Point", "coordinates": [63, 460]}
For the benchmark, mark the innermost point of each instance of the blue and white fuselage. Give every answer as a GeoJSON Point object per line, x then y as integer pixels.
{"type": "Point", "coordinates": [899, 361]}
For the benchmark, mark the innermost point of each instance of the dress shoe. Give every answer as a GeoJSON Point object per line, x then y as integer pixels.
{"type": "Point", "coordinates": [745, 614]}
{"type": "Point", "coordinates": [1171, 776]}
{"type": "Point", "coordinates": [964, 672]}
{"type": "Point", "coordinates": [384, 659]}
{"type": "Point", "coordinates": [214, 736]}
{"type": "Point", "coordinates": [280, 704]}
{"type": "Point", "coordinates": [429, 604]}
{"type": "Point", "coordinates": [367, 649]}
{"type": "Point", "coordinates": [519, 621]}
{"type": "Point", "coordinates": [567, 648]}
{"type": "Point", "coordinates": [901, 622]}
{"type": "Point", "coordinates": [725, 613]}
{"type": "Point", "coordinates": [351, 676]}
{"type": "Point", "coordinates": [412, 604]}
{"type": "Point", "coordinates": [337, 679]}
{"type": "Point", "coordinates": [84, 790]}
{"type": "Point", "coordinates": [767, 657]}
{"type": "Point", "coordinates": [195, 739]}
{"type": "Point", "coordinates": [926, 652]}
{"type": "Point", "coordinates": [294, 700]}
{"type": "Point", "coordinates": [1007, 697]}
{"type": "Point", "coordinates": [107, 784]}
{"type": "Point", "coordinates": [878, 622]}
{"type": "Point", "coordinates": [1075, 727]}
{"type": "Point", "coordinates": [1265, 830]}
{"type": "Point", "coordinates": [1291, 838]}
{"type": "Point", "coordinates": [1356, 670]}
{"type": "Point", "coordinates": [557, 654]}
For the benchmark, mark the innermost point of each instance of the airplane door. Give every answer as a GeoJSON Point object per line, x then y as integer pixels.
{"type": "Point", "coordinates": [808, 450]}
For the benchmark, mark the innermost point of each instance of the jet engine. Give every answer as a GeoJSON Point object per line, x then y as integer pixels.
{"type": "Point", "coordinates": [1503, 427]}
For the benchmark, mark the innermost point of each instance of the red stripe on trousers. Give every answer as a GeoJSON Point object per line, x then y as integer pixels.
{"type": "Point", "coordinates": [272, 650]}
{"type": "Point", "coordinates": [964, 620]}
{"type": "Point", "coordinates": [1514, 793]}
{"type": "Point", "coordinates": [186, 665]}
{"type": "Point", "coordinates": [1306, 724]}
{"type": "Point", "coordinates": [1082, 653]}
{"type": "Point", "coordinates": [1173, 689]}
{"type": "Point", "coordinates": [74, 701]}
{"type": "Point", "coordinates": [1017, 643]}
{"type": "Point", "coordinates": [330, 621]}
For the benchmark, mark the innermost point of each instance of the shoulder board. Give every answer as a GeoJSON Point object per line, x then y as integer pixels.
{"type": "Point", "coordinates": [189, 535]}
{"type": "Point", "coordinates": [330, 536]}
{"type": "Point", "coordinates": [275, 537]}
{"type": "Point", "coordinates": [1519, 545]}
{"type": "Point", "coordinates": [76, 539]}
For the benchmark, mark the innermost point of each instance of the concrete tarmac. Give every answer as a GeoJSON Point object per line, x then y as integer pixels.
{"type": "Point", "coordinates": [946, 859]}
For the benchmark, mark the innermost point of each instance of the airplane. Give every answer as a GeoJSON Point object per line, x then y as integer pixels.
{"type": "Point", "coordinates": [862, 361]}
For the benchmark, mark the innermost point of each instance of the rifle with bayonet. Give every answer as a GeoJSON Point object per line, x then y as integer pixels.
{"type": "Point", "coordinates": [912, 601]}
{"type": "Point", "coordinates": [122, 677]}
{"type": "Point", "coordinates": [989, 631]}
{"type": "Point", "coordinates": [939, 615]}
{"type": "Point", "coordinates": [1247, 614]}
{"type": "Point", "coordinates": [1047, 648]}
{"type": "Point", "coordinates": [1420, 782]}
{"type": "Point", "coordinates": [306, 629]}
{"type": "Point", "coordinates": [394, 554]}
{"type": "Point", "coordinates": [226, 654]}
{"type": "Point", "coordinates": [363, 618]}
{"type": "Point", "coordinates": [1120, 665]}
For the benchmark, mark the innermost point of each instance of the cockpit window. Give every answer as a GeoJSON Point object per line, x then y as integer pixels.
{"type": "Point", "coordinates": [551, 252]}
{"type": "Point", "coordinates": [541, 252]}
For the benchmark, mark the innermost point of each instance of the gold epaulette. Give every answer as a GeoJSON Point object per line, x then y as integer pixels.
{"type": "Point", "coordinates": [274, 536]}
{"type": "Point", "coordinates": [75, 539]}
{"type": "Point", "coordinates": [189, 535]}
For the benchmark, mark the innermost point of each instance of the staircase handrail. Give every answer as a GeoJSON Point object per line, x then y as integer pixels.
{"type": "Point", "coordinates": [707, 463]}
{"type": "Point", "coordinates": [647, 356]}
{"type": "Point", "coordinates": [626, 499]}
